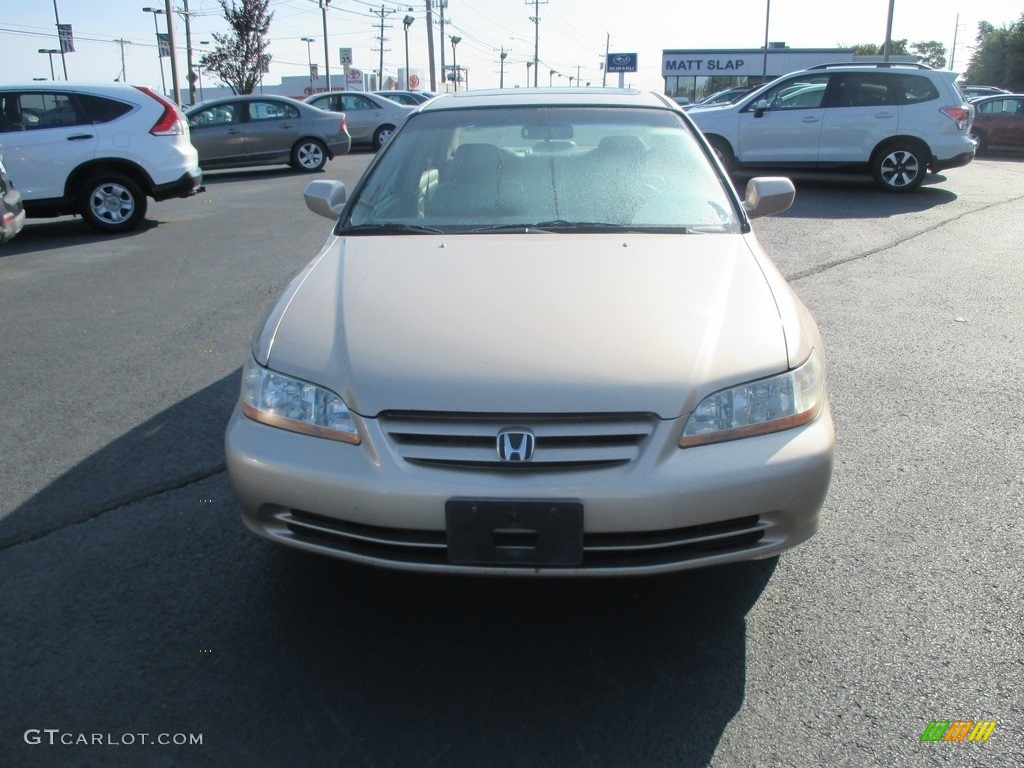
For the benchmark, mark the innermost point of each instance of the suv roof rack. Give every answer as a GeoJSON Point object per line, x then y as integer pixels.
{"type": "Point", "coordinates": [879, 64]}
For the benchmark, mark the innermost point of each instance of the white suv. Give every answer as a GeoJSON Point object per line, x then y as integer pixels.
{"type": "Point", "coordinates": [95, 150]}
{"type": "Point", "coordinates": [895, 120]}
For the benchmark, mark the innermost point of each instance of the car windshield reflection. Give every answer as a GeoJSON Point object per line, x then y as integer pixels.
{"type": "Point", "coordinates": [553, 169]}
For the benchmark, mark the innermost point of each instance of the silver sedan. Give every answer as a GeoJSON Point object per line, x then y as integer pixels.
{"type": "Point", "coordinates": [371, 118]}
{"type": "Point", "coordinates": [266, 130]}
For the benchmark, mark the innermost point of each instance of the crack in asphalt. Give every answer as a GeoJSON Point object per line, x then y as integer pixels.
{"type": "Point", "coordinates": [817, 270]}
{"type": "Point", "coordinates": [134, 497]}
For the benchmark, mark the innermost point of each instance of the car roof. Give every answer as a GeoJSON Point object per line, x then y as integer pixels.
{"type": "Point", "coordinates": [549, 97]}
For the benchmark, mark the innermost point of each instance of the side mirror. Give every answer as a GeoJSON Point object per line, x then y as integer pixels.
{"type": "Point", "coordinates": [761, 107]}
{"type": "Point", "coordinates": [326, 198]}
{"type": "Point", "coordinates": [767, 195]}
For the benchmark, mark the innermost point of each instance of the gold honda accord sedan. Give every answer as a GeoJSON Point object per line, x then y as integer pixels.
{"type": "Point", "coordinates": [542, 339]}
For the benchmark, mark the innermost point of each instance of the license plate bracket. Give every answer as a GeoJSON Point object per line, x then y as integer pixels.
{"type": "Point", "coordinates": [533, 533]}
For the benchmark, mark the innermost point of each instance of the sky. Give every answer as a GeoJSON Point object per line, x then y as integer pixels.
{"type": "Point", "coordinates": [573, 34]}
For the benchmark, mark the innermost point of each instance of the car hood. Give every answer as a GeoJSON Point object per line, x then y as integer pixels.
{"type": "Point", "coordinates": [529, 323]}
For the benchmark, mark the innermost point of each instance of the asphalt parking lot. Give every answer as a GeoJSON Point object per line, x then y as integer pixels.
{"type": "Point", "coordinates": [135, 602]}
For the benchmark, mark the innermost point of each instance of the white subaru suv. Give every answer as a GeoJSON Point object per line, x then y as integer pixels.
{"type": "Point", "coordinates": [896, 121]}
{"type": "Point", "coordinates": [95, 150]}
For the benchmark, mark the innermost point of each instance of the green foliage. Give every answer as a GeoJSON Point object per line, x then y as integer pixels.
{"type": "Point", "coordinates": [998, 56]}
{"type": "Point", "coordinates": [932, 53]}
{"type": "Point", "coordinates": [241, 57]}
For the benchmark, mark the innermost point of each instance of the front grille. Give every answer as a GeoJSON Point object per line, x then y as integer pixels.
{"type": "Point", "coordinates": [600, 550]}
{"type": "Point", "coordinates": [562, 442]}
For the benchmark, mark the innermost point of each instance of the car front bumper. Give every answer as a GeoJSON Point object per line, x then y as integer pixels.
{"type": "Point", "coordinates": [669, 509]}
{"type": "Point", "coordinates": [12, 216]}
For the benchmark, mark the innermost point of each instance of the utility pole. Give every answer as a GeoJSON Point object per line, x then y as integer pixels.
{"type": "Point", "coordinates": [604, 67]}
{"type": "Point", "coordinates": [888, 33]}
{"type": "Point", "coordinates": [504, 55]}
{"type": "Point", "coordinates": [536, 36]}
{"type": "Point", "coordinates": [441, 5]}
{"type": "Point", "coordinates": [952, 51]}
{"type": "Point", "coordinates": [122, 43]}
{"type": "Point", "coordinates": [430, 46]}
{"type": "Point", "coordinates": [63, 59]}
{"type": "Point", "coordinates": [327, 54]}
{"type": "Point", "coordinates": [380, 70]}
{"type": "Point", "coordinates": [191, 76]}
{"type": "Point", "coordinates": [174, 60]}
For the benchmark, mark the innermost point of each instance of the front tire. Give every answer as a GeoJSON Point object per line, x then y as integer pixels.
{"type": "Point", "coordinates": [309, 155]}
{"type": "Point", "coordinates": [112, 203]}
{"type": "Point", "coordinates": [380, 138]}
{"type": "Point", "coordinates": [899, 166]}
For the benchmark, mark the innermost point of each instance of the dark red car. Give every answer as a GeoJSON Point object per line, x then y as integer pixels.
{"type": "Point", "coordinates": [999, 123]}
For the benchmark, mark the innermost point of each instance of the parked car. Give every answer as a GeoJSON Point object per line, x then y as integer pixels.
{"type": "Point", "coordinates": [409, 98]}
{"type": "Point", "coordinates": [725, 96]}
{"type": "Point", "coordinates": [518, 358]}
{"type": "Point", "coordinates": [973, 92]}
{"type": "Point", "coordinates": [12, 211]}
{"type": "Point", "coordinates": [95, 150]}
{"type": "Point", "coordinates": [251, 130]}
{"type": "Point", "coordinates": [894, 121]}
{"type": "Point", "coordinates": [999, 123]}
{"type": "Point", "coordinates": [371, 118]}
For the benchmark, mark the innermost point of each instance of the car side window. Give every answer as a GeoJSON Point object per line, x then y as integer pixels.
{"type": "Point", "coordinates": [864, 89]}
{"type": "Point", "coordinates": [271, 110]}
{"type": "Point", "coordinates": [352, 103]}
{"type": "Point", "coordinates": [102, 110]}
{"type": "Point", "coordinates": [48, 110]}
{"type": "Point", "coordinates": [225, 114]}
{"type": "Point", "coordinates": [916, 89]}
{"type": "Point", "coordinates": [803, 93]}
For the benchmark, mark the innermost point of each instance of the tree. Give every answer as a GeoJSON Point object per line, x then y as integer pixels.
{"type": "Point", "coordinates": [998, 56]}
{"type": "Point", "coordinates": [240, 57]}
{"type": "Point", "coordinates": [932, 53]}
{"type": "Point", "coordinates": [896, 48]}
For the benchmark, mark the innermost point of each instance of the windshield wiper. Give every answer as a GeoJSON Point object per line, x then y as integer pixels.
{"type": "Point", "coordinates": [394, 228]}
{"type": "Point", "coordinates": [557, 225]}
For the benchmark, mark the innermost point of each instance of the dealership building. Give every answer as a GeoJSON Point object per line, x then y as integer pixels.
{"type": "Point", "coordinates": [695, 74]}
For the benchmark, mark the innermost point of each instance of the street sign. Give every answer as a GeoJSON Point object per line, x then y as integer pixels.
{"type": "Point", "coordinates": [346, 56]}
{"type": "Point", "coordinates": [621, 62]}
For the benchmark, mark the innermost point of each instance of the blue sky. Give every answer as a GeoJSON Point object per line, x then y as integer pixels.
{"type": "Point", "coordinates": [572, 33]}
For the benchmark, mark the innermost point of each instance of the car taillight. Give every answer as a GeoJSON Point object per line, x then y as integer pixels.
{"type": "Point", "coordinates": [343, 128]}
{"type": "Point", "coordinates": [959, 115]}
{"type": "Point", "coordinates": [171, 122]}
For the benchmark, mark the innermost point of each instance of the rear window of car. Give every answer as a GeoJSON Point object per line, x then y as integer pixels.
{"type": "Point", "coordinates": [102, 110]}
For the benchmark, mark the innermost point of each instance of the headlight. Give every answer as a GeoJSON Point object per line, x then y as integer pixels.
{"type": "Point", "coordinates": [281, 401]}
{"type": "Point", "coordinates": [779, 402]}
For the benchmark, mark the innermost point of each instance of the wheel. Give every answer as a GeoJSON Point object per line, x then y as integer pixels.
{"type": "Point", "coordinates": [309, 155]}
{"type": "Point", "coordinates": [899, 166]}
{"type": "Point", "coordinates": [724, 153]}
{"type": "Point", "coordinates": [112, 202]}
{"type": "Point", "coordinates": [380, 138]}
{"type": "Point", "coordinates": [979, 141]}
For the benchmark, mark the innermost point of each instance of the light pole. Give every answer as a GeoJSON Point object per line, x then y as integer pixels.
{"type": "Point", "coordinates": [528, 65]}
{"type": "Point", "coordinates": [551, 76]}
{"type": "Point", "coordinates": [406, 23]}
{"type": "Point", "coordinates": [327, 54]}
{"type": "Point", "coordinates": [158, 12]}
{"type": "Point", "coordinates": [504, 55]}
{"type": "Point", "coordinates": [50, 52]}
{"type": "Point", "coordinates": [309, 57]}
{"type": "Point", "coordinates": [455, 66]}
{"type": "Point", "coordinates": [199, 69]}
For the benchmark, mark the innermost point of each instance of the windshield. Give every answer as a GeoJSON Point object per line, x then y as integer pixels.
{"type": "Point", "coordinates": [557, 169]}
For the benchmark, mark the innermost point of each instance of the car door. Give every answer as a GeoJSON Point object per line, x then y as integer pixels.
{"type": "Point", "coordinates": [788, 131]}
{"type": "Point", "coordinates": [45, 136]}
{"type": "Point", "coordinates": [271, 128]}
{"type": "Point", "coordinates": [216, 132]}
{"type": "Point", "coordinates": [861, 110]}
{"type": "Point", "coordinates": [1005, 124]}
{"type": "Point", "coordinates": [362, 115]}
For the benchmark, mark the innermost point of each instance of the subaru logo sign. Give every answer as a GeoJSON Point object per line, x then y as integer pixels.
{"type": "Point", "coordinates": [621, 62]}
{"type": "Point", "coordinates": [516, 445]}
